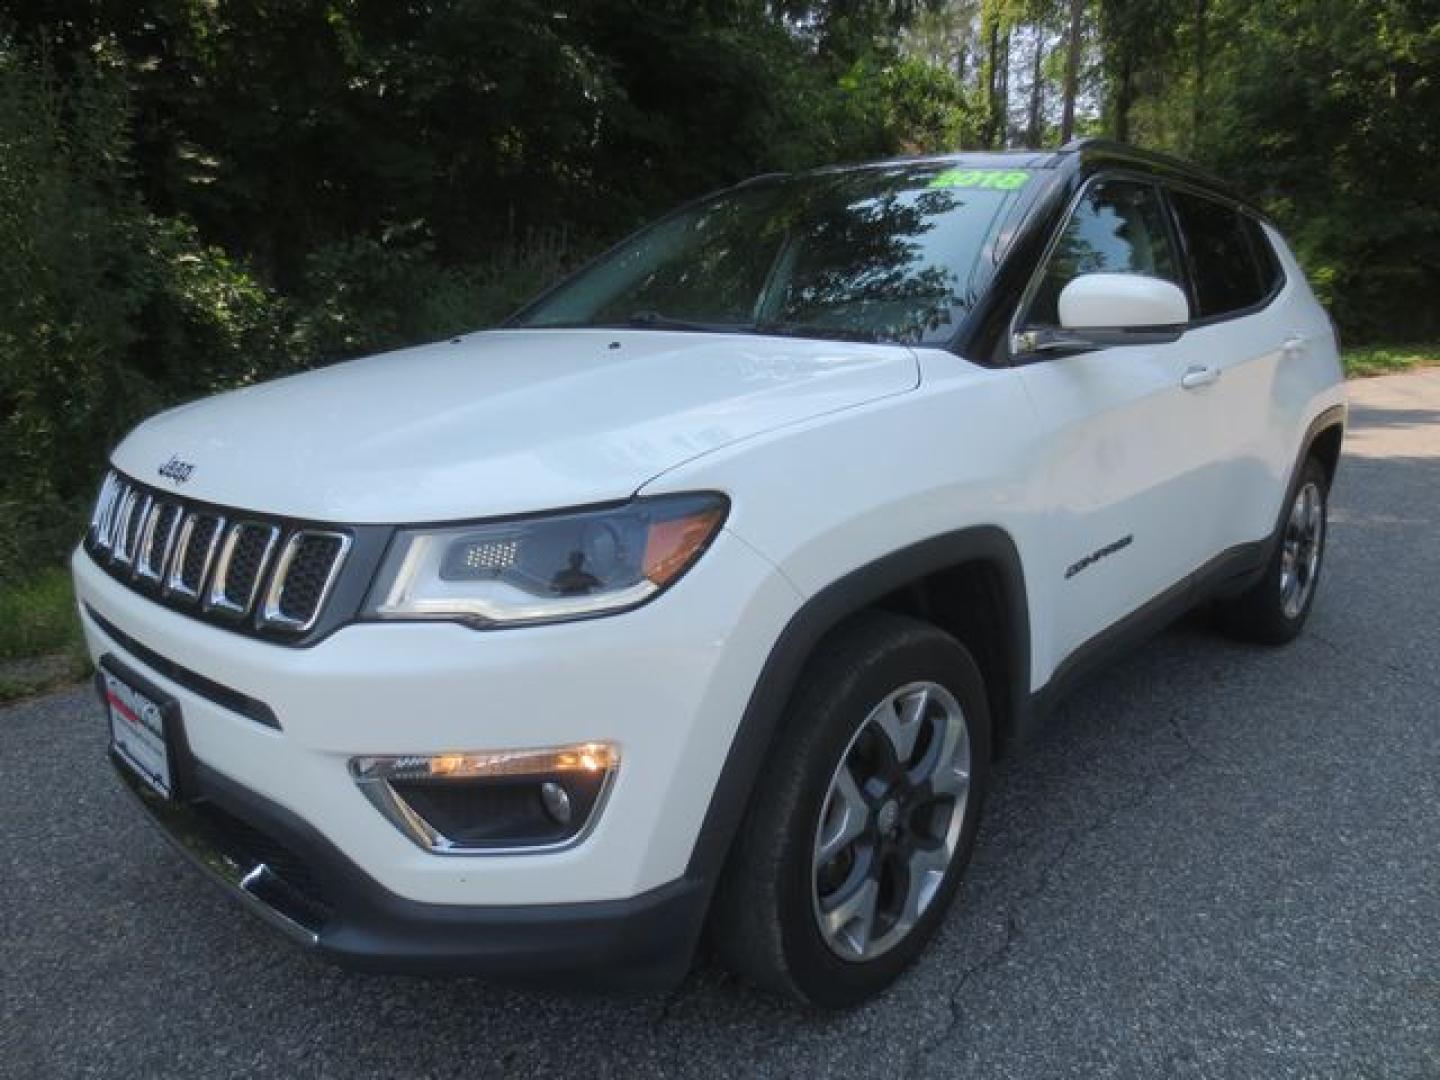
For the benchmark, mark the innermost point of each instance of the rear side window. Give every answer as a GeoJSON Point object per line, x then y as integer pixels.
{"type": "Point", "coordinates": [1271, 276]}
{"type": "Point", "coordinates": [1118, 228]}
{"type": "Point", "coordinates": [1230, 274]}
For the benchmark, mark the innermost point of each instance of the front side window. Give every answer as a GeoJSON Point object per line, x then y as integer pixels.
{"type": "Point", "coordinates": [883, 254]}
{"type": "Point", "coordinates": [1227, 273]}
{"type": "Point", "coordinates": [1118, 228]}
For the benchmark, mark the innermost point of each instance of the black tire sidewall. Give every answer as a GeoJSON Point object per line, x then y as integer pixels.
{"type": "Point", "coordinates": [834, 714]}
{"type": "Point", "coordinates": [1285, 625]}
{"type": "Point", "coordinates": [1258, 614]}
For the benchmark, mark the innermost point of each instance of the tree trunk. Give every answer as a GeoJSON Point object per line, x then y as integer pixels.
{"type": "Point", "coordinates": [992, 87]}
{"type": "Point", "coordinates": [1036, 88]}
{"type": "Point", "coordinates": [1124, 99]}
{"type": "Point", "coordinates": [1072, 71]}
{"type": "Point", "coordinates": [1003, 99]}
{"type": "Point", "coordinates": [1202, 60]}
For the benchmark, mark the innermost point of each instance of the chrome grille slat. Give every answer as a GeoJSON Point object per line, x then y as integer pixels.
{"type": "Point", "coordinates": [228, 571]}
{"type": "Point", "coordinates": [127, 533]}
{"type": "Point", "coordinates": [194, 555]}
{"type": "Point", "coordinates": [303, 578]}
{"type": "Point", "coordinates": [157, 541]}
{"type": "Point", "coordinates": [110, 491]}
{"type": "Point", "coordinates": [240, 567]}
{"type": "Point", "coordinates": [115, 518]}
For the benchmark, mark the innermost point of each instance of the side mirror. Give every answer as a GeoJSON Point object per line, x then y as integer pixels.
{"type": "Point", "coordinates": [1098, 311]}
{"type": "Point", "coordinates": [1122, 302]}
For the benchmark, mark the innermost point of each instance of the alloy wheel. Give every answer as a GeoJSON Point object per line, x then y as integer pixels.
{"type": "Point", "coordinates": [1301, 548]}
{"type": "Point", "coordinates": [891, 821]}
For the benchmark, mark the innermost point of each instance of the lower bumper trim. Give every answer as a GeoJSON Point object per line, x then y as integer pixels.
{"type": "Point", "coordinates": [246, 876]}
{"type": "Point", "coordinates": [318, 898]}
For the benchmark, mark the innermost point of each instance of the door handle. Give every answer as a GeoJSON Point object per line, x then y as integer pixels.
{"type": "Point", "coordinates": [1196, 377]}
{"type": "Point", "coordinates": [1295, 346]}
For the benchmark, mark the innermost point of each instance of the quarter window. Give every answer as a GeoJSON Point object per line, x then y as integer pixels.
{"type": "Point", "coordinates": [1118, 228]}
{"type": "Point", "coordinates": [1226, 268]}
{"type": "Point", "coordinates": [1271, 275]}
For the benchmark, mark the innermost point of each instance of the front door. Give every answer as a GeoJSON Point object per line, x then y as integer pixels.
{"type": "Point", "coordinates": [1130, 488]}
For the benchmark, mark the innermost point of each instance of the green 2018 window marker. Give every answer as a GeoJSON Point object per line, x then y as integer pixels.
{"type": "Point", "coordinates": [993, 179]}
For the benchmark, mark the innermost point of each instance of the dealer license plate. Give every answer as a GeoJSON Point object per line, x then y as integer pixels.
{"type": "Point", "coordinates": [137, 732]}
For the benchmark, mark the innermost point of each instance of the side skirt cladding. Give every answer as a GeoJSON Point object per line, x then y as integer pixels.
{"type": "Point", "coordinates": [822, 613]}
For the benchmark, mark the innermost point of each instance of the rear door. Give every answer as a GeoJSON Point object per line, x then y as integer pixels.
{"type": "Point", "coordinates": [1128, 497]}
{"type": "Point", "coordinates": [1235, 354]}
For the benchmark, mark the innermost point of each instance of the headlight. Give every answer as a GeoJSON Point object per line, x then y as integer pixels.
{"type": "Point", "coordinates": [542, 569]}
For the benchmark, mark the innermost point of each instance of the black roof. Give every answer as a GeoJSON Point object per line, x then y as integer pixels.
{"type": "Point", "coordinates": [1091, 155]}
{"type": "Point", "coordinates": [1083, 156]}
{"type": "Point", "coordinates": [978, 159]}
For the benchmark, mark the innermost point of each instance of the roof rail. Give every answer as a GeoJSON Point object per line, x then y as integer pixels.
{"type": "Point", "coordinates": [1084, 142]}
{"type": "Point", "coordinates": [1109, 149]}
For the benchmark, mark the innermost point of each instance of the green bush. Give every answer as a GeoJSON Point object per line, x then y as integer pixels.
{"type": "Point", "coordinates": [107, 312]}
{"type": "Point", "coordinates": [367, 295]}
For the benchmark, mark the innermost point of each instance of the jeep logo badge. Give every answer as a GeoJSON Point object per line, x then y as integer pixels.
{"type": "Point", "coordinates": [176, 470]}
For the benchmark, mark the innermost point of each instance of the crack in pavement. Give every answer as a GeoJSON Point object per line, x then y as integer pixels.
{"type": "Point", "coordinates": [1172, 721]}
{"type": "Point", "coordinates": [1014, 928]}
{"type": "Point", "coordinates": [1361, 659]}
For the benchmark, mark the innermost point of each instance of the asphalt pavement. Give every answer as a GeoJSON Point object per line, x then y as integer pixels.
{"type": "Point", "coordinates": [1217, 861]}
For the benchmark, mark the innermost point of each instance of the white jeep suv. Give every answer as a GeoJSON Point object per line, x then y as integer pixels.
{"type": "Point", "coordinates": [703, 592]}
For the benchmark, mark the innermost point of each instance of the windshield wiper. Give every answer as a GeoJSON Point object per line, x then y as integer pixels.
{"type": "Point", "coordinates": [653, 320]}
{"type": "Point", "coordinates": [828, 333]}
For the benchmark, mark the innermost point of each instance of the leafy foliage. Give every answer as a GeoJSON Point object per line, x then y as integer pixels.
{"type": "Point", "coordinates": [198, 195]}
{"type": "Point", "coordinates": [1329, 111]}
{"type": "Point", "coordinates": [1390, 359]}
{"type": "Point", "coordinates": [108, 311]}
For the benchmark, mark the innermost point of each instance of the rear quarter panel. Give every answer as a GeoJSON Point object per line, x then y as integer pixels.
{"type": "Point", "coordinates": [1273, 399]}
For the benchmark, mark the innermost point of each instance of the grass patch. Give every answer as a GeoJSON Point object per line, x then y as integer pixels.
{"type": "Point", "coordinates": [1389, 359]}
{"type": "Point", "coordinates": [41, 646]}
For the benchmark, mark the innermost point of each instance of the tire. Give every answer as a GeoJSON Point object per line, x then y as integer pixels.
{"type": "Point", "coordinates": [879, 684]}
{"type": "Point", "coordinates": [1273, 610]}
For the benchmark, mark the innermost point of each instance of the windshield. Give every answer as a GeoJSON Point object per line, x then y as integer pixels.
{"type": "Point", "coordinates": [883, 254]}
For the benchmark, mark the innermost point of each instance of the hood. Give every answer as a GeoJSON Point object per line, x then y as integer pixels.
{"type": "Point", "coordinates": [500, 422]}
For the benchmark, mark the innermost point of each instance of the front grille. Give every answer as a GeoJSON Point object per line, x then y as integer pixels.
{"type": "Point", "coordinates": [234, 568]}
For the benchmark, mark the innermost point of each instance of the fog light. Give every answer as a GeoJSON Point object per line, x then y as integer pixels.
{"type": "Point", "coordinates": [557, 801]}
{"type": "Point", "coordinates": [492, 800]}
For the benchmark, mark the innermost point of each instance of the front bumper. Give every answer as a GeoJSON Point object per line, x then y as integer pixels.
{"type": "Point", "coordinates": [666, 683]}
{"type": "Point", "coordinates": [289, 875]}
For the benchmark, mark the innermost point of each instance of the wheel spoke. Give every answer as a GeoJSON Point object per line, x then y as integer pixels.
{"type": "Point", "coordinates": [901, 719]}
{"type": "Point", "coordinates": [852, 920]}
{"type": "Point", "coordinates": [925, 870]}
{"type": "Point", "coordinates": [950, 771]}
{"type": "Point", "coordinates": [952, 779]}
{"type": "Point", "coordinates": [846, 815]}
